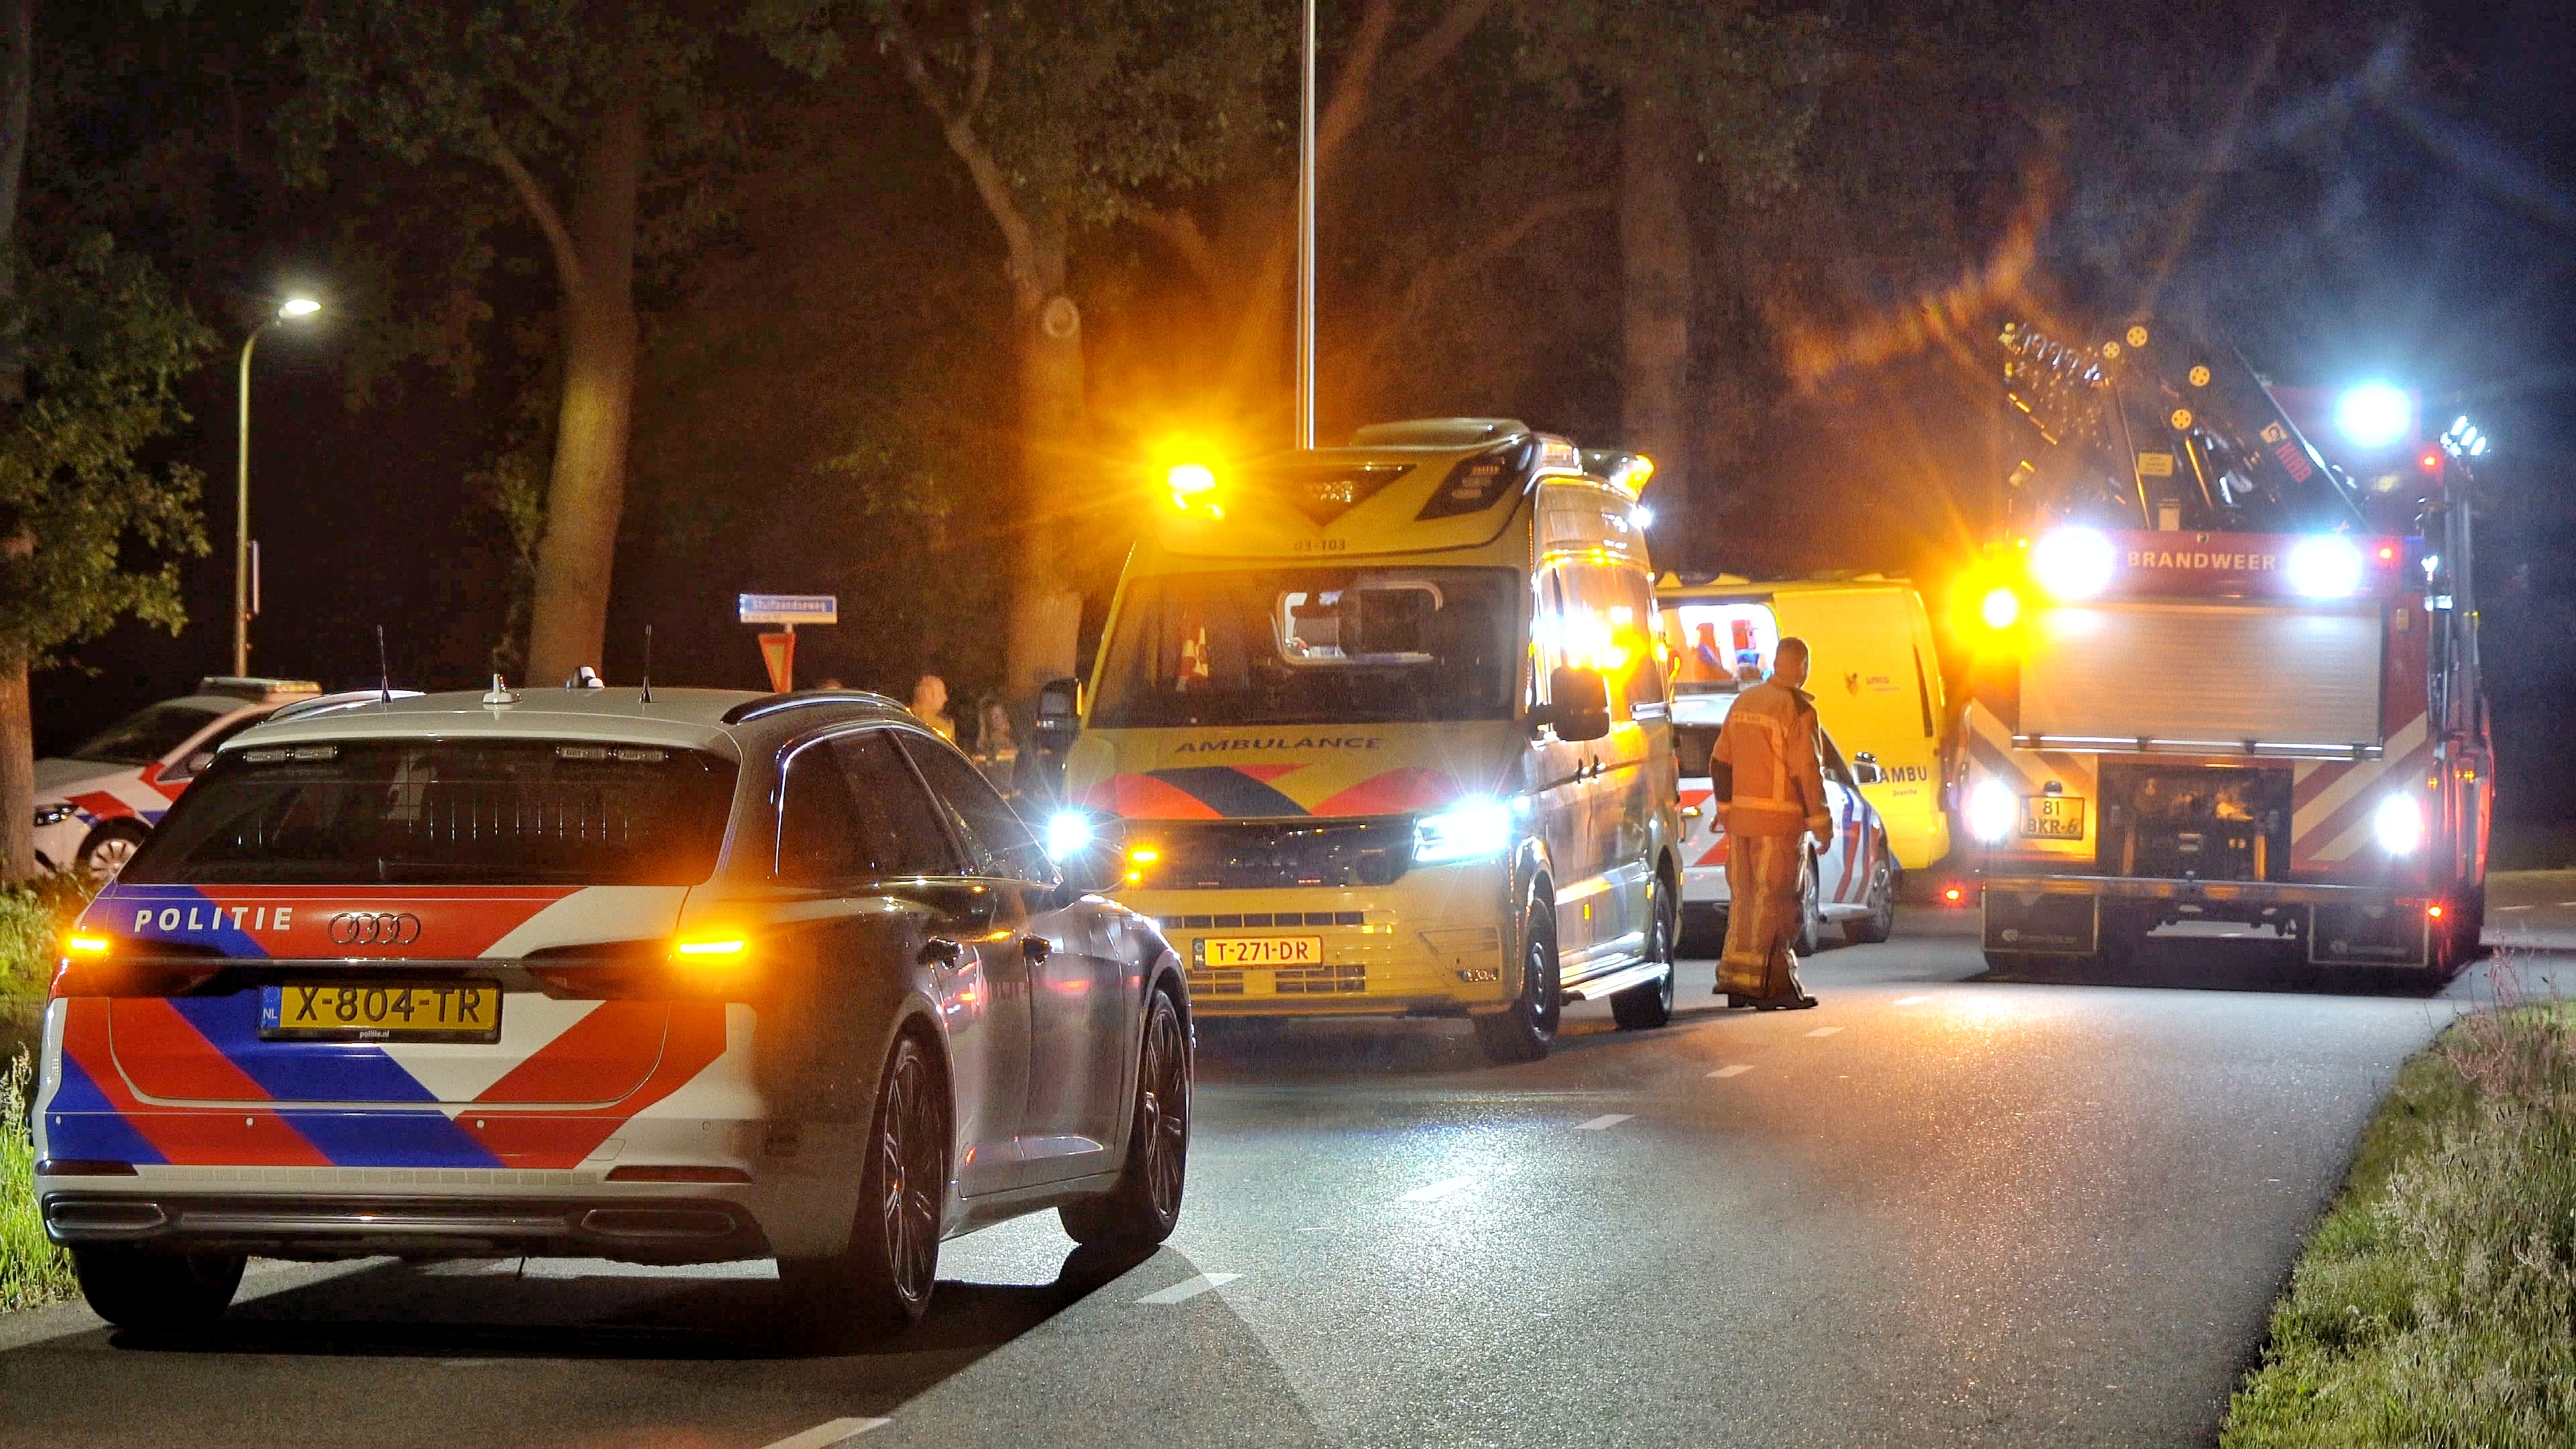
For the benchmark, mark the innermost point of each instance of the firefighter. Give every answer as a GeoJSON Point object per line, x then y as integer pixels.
{"type": "Point", "coordinates": [1769, 772]}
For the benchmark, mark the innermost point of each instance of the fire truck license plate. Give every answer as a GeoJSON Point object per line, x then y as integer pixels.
{"type": "Point", "coordinates": [2053, 817]}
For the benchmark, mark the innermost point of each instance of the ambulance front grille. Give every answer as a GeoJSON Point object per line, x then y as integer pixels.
{"type": "Point", "coordinates": [1204, 982]}
{"type": "Point", "coordinates": [1334, 980]}
{"type": "Point", "coordinates": [1272, 854]}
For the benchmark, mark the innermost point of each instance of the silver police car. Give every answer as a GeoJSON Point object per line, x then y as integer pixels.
{"type": "Point", "coordinates": [683, 977]}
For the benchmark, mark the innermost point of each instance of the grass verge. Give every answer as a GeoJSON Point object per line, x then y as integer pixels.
{"type": "Point", "coordinates": [32, 919]}
{"type": "Point", "coordinates": [32, 1270]}
{"type": "Point", "coordinates": [2435, 1304]}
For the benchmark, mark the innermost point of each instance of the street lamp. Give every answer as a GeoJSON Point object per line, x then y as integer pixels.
{"type": "Point", "coordinates": [292, 309]}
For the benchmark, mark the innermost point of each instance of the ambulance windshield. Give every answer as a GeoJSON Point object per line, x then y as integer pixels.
{"type": "Point", "coordinates": [1313, 646]}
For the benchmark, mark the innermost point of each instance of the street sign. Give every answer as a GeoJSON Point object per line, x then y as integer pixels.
{"type": "Point", "coordinates": [778, 651]}
{"type": "Point", "coordinates": [789, 609]}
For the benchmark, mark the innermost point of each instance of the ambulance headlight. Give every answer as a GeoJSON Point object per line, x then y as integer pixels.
{"type": "Point", "coordinates": [1990, 811]}
{"type": "Point", "coordinates": [2399, 824]}
{"type": "Point", "coordinates": [1477, 828]}
{"type": "Point", "coordinates": [2326, 567]}
{"type": "Point", "coordinates": [2072, 563]}
{"type": "Point", "coordinates": [1069, 833]}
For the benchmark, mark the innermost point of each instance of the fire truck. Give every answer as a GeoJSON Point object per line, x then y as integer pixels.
{"type": "Point", "coordinates": [2218, 677]}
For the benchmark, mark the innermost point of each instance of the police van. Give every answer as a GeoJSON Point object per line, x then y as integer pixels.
{"type": "Point", "coordinates": [1876, 679]}
{"type": "Point", "coordinates": [1382, 730]}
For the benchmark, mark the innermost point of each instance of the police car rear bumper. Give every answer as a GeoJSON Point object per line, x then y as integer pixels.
{"type": "Point", "coordinates": [677, 1229]}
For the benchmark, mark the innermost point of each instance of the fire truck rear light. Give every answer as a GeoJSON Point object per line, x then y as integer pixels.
{"type": "Point", "coordinates": [1990, 811]}
{"type": "Point", "coordinates": [2434, 910]}
{"type": "Point", "coordinates": [2399, 824]}
{"type": "Point", "coordinates": [1954, 894]}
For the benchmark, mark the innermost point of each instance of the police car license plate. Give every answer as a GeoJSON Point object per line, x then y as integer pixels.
{"type": "Point", "coordinates": [2053, 817]}
{"type": "Point", "coordinates": [460, 1011]}
{"type": "Point", "coordinates": [1261, 950]}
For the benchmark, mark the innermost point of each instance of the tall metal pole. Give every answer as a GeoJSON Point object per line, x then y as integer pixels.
{"type": "Point", "coordinates": [1306, 237]}
{"type": "Point", "coordinates": [241, 518]}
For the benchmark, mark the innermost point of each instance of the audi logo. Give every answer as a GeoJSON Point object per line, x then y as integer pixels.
{"type": "Point", "coordinates": [374, 928]}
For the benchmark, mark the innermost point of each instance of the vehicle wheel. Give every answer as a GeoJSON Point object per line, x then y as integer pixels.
{"type": "Point", "coordinates": [156, 1292]}
{"type": "Point", "coordinates": [1643, 1008]}
{"type": "Point", "coordinates": [1146, 1205]}
{"type": "Point", "coordinates": [107, 850]}
{"type": "Point", "coordinates": [1528, 1029]}
{"type": "Point", "coordinates": [1811, 915]}
{"type": "Point", "coordinates": [881, 1282]}
{"type": "Point", "coordinates": [1880, 922]}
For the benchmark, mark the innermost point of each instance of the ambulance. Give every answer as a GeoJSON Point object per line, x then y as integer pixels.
{"type": "Point", "coordinates": [1382, 730]}
{"type": "Point", "coordinates": [1876, 679]}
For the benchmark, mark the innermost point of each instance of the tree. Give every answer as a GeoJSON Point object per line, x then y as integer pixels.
{"type": "Point", "coordinates": [101, 345]}
{"type": "Point", "coordinates": [591, 122]}
{"type": "Point", "coordinates": [1066, 115]}
{"type": "Point", "coordinates": [1701, 89]}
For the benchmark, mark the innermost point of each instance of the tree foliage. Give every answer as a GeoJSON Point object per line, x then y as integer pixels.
{"type": "Point", "coordinates": [88, 524]}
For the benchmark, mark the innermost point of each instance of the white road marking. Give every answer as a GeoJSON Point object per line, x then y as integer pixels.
{"type": "Point", "coordinates": [821, 1436]}
{"type": "Point", "coordinates": [1824, 1031]}
{"type": "Point", "coordinates": [1739, 1069]}
{"type": "Point", "coordinates": [2513, 908]}
{"type": "Point", "coordinates": [1189, 1288]}
{"type": "Point", "coordinates": [1912, 1000]}
{"type": "Point", "coordinates": [1437, 1190]}
{"type": "Point", "coordinates": [1607, 1119]}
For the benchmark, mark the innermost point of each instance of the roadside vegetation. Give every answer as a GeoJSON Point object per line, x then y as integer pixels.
{"type": "Point", "coordinates": [32, 916]}
{"type": "Point", "coordinates": [2436, 1302]}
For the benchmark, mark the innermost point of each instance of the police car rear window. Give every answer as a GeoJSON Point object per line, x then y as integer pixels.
{"type": "Point", "coordinates": [437, 812]}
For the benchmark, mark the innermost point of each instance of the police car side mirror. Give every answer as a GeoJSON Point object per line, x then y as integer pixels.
{"type": "Point", "coordinates": [1865, 769]}
{"type": "Point", "coordinates": [1059, 714]}
{"type": "Point", "coordinates": [1578, 706]}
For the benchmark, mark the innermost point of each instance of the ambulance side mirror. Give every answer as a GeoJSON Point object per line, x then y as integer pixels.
{"type": "Point", "coordinates": [1865, 769]}
{"type": "Point", "coordinates": [1578, 704]}
{"type": "Point", "coordinates": [1059, 714]}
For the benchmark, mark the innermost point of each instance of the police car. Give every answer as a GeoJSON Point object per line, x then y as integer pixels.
{"type": "Point", "coordinates": [1853, 880]}
{"type": "Point", "coordinates": [696, 977]}
{"type": "Point", "coordinates": [96, 805]}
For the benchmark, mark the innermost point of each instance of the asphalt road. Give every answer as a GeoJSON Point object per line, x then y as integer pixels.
{"type": "Point", "coordinates": [1941, 1209]}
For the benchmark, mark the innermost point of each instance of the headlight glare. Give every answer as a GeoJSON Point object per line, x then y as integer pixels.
{"type": "Point", "coordinates": [1990, 811]}
{"type": "Point", "coordinates": [2399, 824]}
{"type": "Point", "coordinates": [1068, 833]}
{"type": "Point", "coordinates": [1476, 828]}
{"type": "Point", "coordinates": [2325, 567]}
{"type": "Point", "coordinates": [2072, 563]}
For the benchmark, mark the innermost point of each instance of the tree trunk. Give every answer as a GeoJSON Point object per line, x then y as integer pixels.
{"type": "Point", "coordinates": [1655, 289]}
{"type": "Point", "coordinates": [17, 772]}
{"type": "Point", "coordinates": [1055, 446]}
{"type": "Point", "coordinates": [587, 494]}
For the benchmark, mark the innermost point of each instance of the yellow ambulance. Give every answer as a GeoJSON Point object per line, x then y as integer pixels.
{"type": "Point", "coordinates": [1876, 679]}
{"type": "Point", "coordinates": [1381, 730]}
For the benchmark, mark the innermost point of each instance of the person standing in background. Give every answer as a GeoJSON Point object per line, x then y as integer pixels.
{"type": "Point", "coordinates": [930, 706]}
{"type": "Point", "coordinates": [1767, 781]}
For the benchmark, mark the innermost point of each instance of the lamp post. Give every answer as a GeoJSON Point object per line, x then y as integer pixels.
{"type": "Point", "coordinates": [290, 310]}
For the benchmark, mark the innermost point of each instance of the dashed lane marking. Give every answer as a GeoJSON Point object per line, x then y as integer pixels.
{"type": "Point", "coordinates": [823, 1435]}
{"type": "Point", "coordinates": [1189, 1288]}
{"type": "Point", "coordinates": [1437, 1190]}
{"type": "Point", "coordinates": [2514, 908]}
{"type": "Point", "coordinates": [1605, 1120]}
{"type": "Point", "coordinates": [1739, 1069]}
{"type": "Point", "coordinates": [1912, 1000]}
{"type": "Point", "coordinates": [1824, 1031]}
